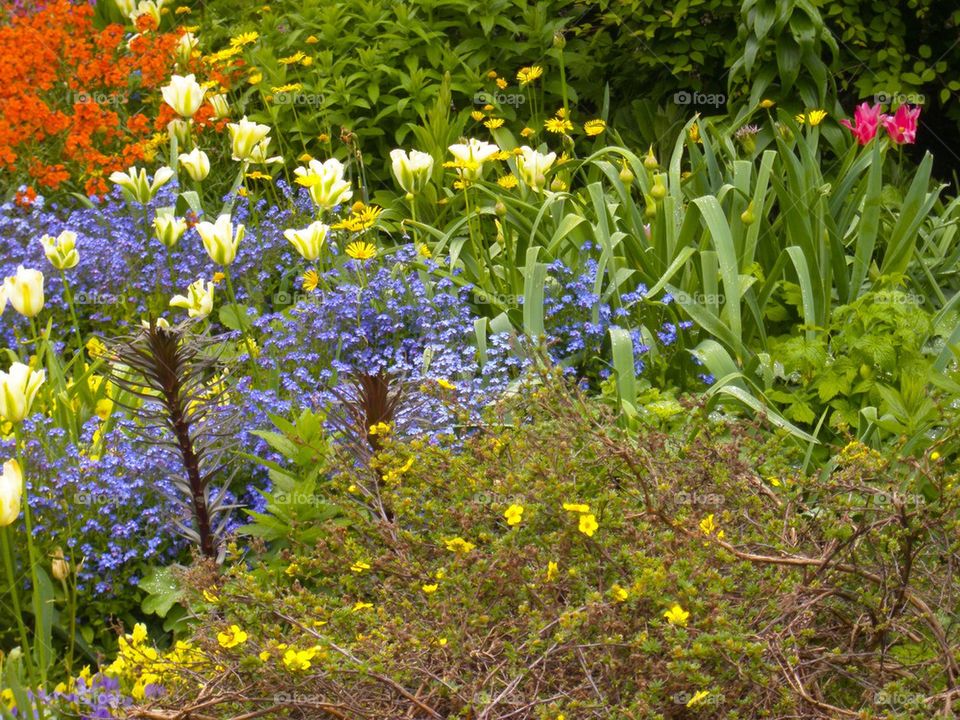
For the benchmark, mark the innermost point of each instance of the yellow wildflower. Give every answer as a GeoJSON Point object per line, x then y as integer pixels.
{"type": "Point", "coordinates": [428, 589]}
{"type": "Point", "coordinates": [292, 59]}
{"type": "Point", "coordinates": [552, 570]}
{"type": "Point", "coordinates": [576, 507]}
{"type": "Point", "coordinates": [359, 566]}
{"type": "Point", "coordinates": [619, 593]}
{"type": "Point", "coordinates": [231, 637]}
{"type": "Point", "coordinates": [698, 697]}
{"type": "Point", "coordinates": [558, 125]}
{"type": "Point", "coordinates": [677, 616]}
{"type": "Point", "coordinates": [514, 514]}
{"type": "Point", "coordinates": [767, 103]}
{"type": "Point", "coordinates": [507, 181]}
{"type": "Point", "coordinates": [311, 40]}
{"type": "Point", "coordinates": [528, 132]}
{"type": "Point", "coordinates": [588, 524]}
{"type": "Point", "coordinates": [493, 123]}
{"type": "Point", "coordinates": [297, 660]}
{"type": "Point", "coordinates": [360, 250]}
{"type": "Point", "coordinates": [310, 280]}
{"type": "Point", "coordinates": [446, 384]}
{"type": "Point", "coordinates": [361, 606]}
{"type": "Point", "coordinates": [459, 545]}
{"type": "Point", "coordinates": [477, 115]}
{"type": "Point", "coordinates": [502, 83]}
{"type": "Point", "coordinates": [527, 75]}
{"type": "Point", "coordinates": [381, 428]}
{"type": "Point", "coordinates": [594, 127]}
{"type": "Point", "coordinates": [246, 38]}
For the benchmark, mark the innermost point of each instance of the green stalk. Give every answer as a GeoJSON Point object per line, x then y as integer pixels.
{"type": "Point", "coordinates": [10, 565]}
{"type": "Point", "coordinates": [73, 312]}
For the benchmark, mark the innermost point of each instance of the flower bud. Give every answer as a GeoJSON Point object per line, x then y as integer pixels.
{"type": "Point", "coordinates": [169, 229]}
{"type": "Point", "coordinates": [196, 163]}
{"type": "Point", "coordinates": [61, 252]}
{"type": "Point", "coordinates": [659, 190]}
{"type": "Point", "coordinates": [219, 239]}
{"type": "Point", "coordinates": [747, 217]}
{"type": "Point", "coordinates": [59, 567]}
{"type": "Point", "coordinates": [650, 160]}
{"type": "Point", "coordinates": [626, 177]}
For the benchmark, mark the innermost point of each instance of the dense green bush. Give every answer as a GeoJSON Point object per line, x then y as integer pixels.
{"type": "Point", "coordinates": [561, 567]}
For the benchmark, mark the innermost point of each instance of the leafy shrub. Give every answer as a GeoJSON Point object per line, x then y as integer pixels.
{"type": "Point", "coordinates": [561, 566]}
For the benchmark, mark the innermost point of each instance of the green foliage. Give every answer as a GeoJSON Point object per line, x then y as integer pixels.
{"type": "Point", "coordinates": [451, 607]}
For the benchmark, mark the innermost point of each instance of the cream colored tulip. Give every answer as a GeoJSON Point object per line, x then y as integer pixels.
{"type": "Point", "coordinates": [220, 240]}
{"type": "Point", "coordinates": [11, 492]}
{"type": "Point", "coordinates": [184, 94]}
{"type": "Point", "coordinates": [471, 156]}
{"type": "Point", "coordinates": [221, 108]}
{"type": "Point", "coordinates": [25, 291]}
{"type": "Point", "coordinates": [309, 241]}
{"type": "Point", "coordinates": [135, 186]}
{"type": "Point", "coordinates": [196, 163]}
{"type": "Point", "coordinates": [245, 136]}
{"type": "Point", "coordinates": [325, 182]}
{"type": "Point", "coordinates": [61, 252]}
{"type": "Point", "coordinates": [18, 389]}
{"type": "Point", "coordinates": [198, 302]}
{"type": "Point", "coordinates": [169, 229]}
{"type": "Point", "coordinates": [532, 167]}
{"type": "Point", "coordinates": [411, 171]}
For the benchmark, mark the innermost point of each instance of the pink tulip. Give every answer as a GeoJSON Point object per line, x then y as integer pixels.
{"type": "Point", "coordinates": [866, 120]}
{"type": "Point", "coordinates": [902, 125]}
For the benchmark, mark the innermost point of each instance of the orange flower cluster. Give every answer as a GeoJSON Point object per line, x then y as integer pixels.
{"type": "Point", "coordinates": [76, 102]}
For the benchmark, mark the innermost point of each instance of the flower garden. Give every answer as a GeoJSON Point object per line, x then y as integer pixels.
{"type": "Point", "coordinates": [485, 361]}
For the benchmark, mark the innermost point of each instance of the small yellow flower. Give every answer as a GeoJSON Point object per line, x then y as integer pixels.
{"type": "Point", "coordinates": [361, 606]}
{"type": "Point", "coordinates": [767, 103]}
{"type": "Point", "coordinates": [96, 348]}
{"type": "Point", "coordinates": [677, 616]}
{"type": "Point", "coordinates": [446, 384]}
{"type": "Point", "coordinates": [139, 633]}
{"type": "Point", "coordinates": [264, 655]}
{"type": "Point", "coordinates": [323, 137]}
{"type": "Point", "coordinates": [527, 75]}
{"type": "Point", "coordinates": [255, 78]}
{"type": "Point", "coordinates": [310, 280]}
{"type": "Point", "coordinates": [514, 514]}
{"type": "Point", "coordinates": [292, 569]}
{"type": "Point", "coordinates": [560, 126]}
{"type": "Point", "coordinates": [307, 61]}
{"type": "Point", "coordinates": [381, 428]}
{"type": "Point", "coordinates": [361, 250]}
{"type": "Point", "coordinates": [492, 74]}
{"type": "Point", "coordinates": [311, 40]}
{"type": "Point", "coordinates": [477, 115]}
{"type": "Point", "coordinates": [493, 123]}
{"type": "Point", "coordinates": [576, 507]}
{"type": "Point", "coordinates": [297, 660]}
{"type": "Point", "coordinates": [619, 593]}
{"type": "Point", "coordinates": [697, 698]}
{"type": "Point", "coordinates": [528, 132]}
{"type": "Point", "coordinates": [459, 545]}
{"type": "Point", "coordinates": [231, 637]}
{"type": "Point", "coordinates": [183, 10]}
{"type": "Point", "coordinates": [359, 566]}
{"type": "Point", "coordinates": [594, 127]}
{"type": "Point", "coordinates": [502, 83]}
{"type": "Point", "coordinates": [552, 570]}
{"type": "Point", "coordinates": [815, 117]}
{"type": "Point", "coordinates": [210, 597]}
{"type": "Point", "coordinates": [246, 38]}
{"type": "Point", "coordinates": [588, 524]}
{"type": "Point", "coordinates": [292, 59]}
{"type": "Point", "coordinates": [507, 181]}
{"type": "Point", "coordinates": [424, 251]}
{"type": "Point", "coordinates": [694, 133]}
{"type": "Point", "coordinates": [441, 641]}
{"type": "Point", "coordinates": [488, 107]}
{"type": "Point", "coordinates": [934, 456]}
{"type": "Point", "coordinates": [305, 158]}
{"type": "Point", "coordinates": [429, 589]}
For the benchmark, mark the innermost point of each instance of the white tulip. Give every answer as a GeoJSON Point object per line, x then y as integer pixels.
{"type": "Point", "coordinates": [135, 186]}
{"type": "Point", "coordinates": [184, 94]}
{"type": "Point", "coordinates": [221, 108]}
{"type": "Point", "coordinates": [25, 291]}
{"type": "Point", "coordinates": [61, 252]}
{"type": "Point", "coordinates": [532, 166]}
{"type": "Point", "coordinates": [168, 228]}
{"type": "Point", "coordinates": [325, 183]}
{"type": "Point", "coordinates": [219, 239]}
{"type": "Point", "coordinates": [309, 241]}
{"type": "Point", "coordinates": [246, 135]}
{"type": "Point", "coordinates": [196, 163]}
{"type": "Point", "coordinates": [11, 491]}
{"type": "Point", "coordinates": [198, 302]}
{"type": "Point", "coordinates": [18, 390]}
{"type": "Point", "coordinates": [411, 171]}
{"type": "Point", "coordinates": [471, 156]}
